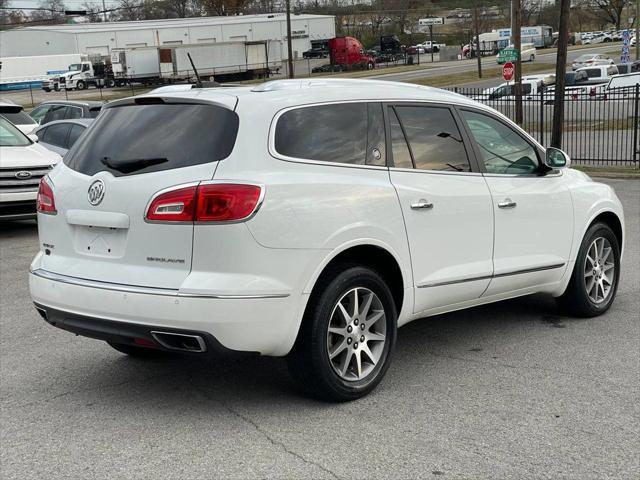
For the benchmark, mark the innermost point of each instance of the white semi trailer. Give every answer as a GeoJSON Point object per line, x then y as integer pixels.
{"type": "Point", "coordinates": [23, 72]}
{"type": "Point", "coordinates": [220, 61]}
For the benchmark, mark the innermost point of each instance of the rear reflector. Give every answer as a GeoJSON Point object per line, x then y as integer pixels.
{"type": "Point", "coordinates": [210, 202]}
{"type": "Point", "coordinates": [45, 202]}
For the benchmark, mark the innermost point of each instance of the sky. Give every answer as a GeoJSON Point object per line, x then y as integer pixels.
{"type": "Point", "coordinates": [68, 3]}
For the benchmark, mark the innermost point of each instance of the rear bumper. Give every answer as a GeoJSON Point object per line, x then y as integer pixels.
{"type": "Point", "coordinates": [126, 333]}
{"type": "Point", "coordinates": [254, 324]}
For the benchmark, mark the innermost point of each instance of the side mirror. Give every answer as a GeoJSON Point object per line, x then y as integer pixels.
{"type": "Point", "coordinates": [556, 158]}
{"type": "Point", "coordinates": [33, 137]}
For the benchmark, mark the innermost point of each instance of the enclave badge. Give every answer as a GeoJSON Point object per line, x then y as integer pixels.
{"type": "Point", "coordinates": [96, 192]}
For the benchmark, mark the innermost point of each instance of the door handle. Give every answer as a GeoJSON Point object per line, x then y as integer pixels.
{"type": "Point", "coordinates": [422, 205]}
{"type": "Point", "coordinates": [508, 203]}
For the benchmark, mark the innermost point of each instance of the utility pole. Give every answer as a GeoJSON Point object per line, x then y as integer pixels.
{"type": "Point", "coordinates": [476, 27]}
{"type": "Point", "coordinates": [561, 63]}
{"type": "Point", "coordinates": [637, 22]}
{"type": "Point", "coordinates": [517, 45]}
{"type": "Point", "coordinates": [104, 10]}
{"type": "Point", "coordinates": [289, 49]}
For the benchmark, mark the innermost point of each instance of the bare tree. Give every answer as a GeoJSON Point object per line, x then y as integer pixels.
{"type": "Point", "coordinates": [51, 10]}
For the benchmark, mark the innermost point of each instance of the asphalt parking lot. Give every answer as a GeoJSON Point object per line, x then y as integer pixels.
{"type": "Point", "coordinates": [511, 390]}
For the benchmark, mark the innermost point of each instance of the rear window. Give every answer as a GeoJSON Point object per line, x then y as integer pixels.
{"type": "Point", "coordinates": [164, 136]}
{"type": "Point", "coordinates": [18, 118]}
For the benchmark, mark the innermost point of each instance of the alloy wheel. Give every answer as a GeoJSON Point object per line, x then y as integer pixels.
{"type": "Point", "coordinates": [356, 334]}
{"type": "Point", "coordinates": [599, 270]}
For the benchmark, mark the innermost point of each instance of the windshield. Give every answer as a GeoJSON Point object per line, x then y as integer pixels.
{"type": "Point", "coordinates": [10, 136]}
{"type": "Point", "coordinates": [134, 139]}
{"type": "Point", "coordinates": [75, 67]}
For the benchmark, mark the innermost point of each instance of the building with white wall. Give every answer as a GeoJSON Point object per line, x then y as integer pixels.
{"type": "Point", "coordinates": [101, 38]}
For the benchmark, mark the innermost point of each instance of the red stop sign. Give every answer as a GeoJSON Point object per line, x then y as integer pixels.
{"type": "Point", "coordinates": [508, 71]}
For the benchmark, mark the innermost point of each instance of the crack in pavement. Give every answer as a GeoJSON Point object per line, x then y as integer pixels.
{"type": "Point", "coordinates": [266, 435]}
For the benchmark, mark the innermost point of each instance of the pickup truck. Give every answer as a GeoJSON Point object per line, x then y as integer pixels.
{"type": "Point", "coordinates": [428, 46]}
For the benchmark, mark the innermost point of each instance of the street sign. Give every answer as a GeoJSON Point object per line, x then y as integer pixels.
{"type": "Point", "coordinates": [508, 71]}
{"type": "Point", "coordinates": [508, 55]}
{"type": "Point", "coordinates": [425, 22]}
{"type": "Point", "coordinates": [626, 41]}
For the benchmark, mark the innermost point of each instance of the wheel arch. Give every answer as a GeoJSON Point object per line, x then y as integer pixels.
{"type": "Point", "coordinates": [612, 220]}
{"type": "Point", "coordinates": [371, 254]}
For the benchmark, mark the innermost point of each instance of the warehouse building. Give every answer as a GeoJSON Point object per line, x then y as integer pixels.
{"type": "Point", "coordinates": [101, 38]}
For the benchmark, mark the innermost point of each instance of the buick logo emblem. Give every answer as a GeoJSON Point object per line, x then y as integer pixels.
{"type": "Point", "coordinates": [96, 192]}
{"type": "Point", "coordinates": [23, 175]}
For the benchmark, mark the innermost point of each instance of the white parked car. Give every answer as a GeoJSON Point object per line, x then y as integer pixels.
{"type": "Point", "coordinates": [311, 220]}
{"type": "Point", "coordinates": [599, 74]}
{"type": "Point", "coordinates": [16, 115]}
{"type": "Point", "coordinates": [23, 163]}
{"type": "Point", "coordinates": [591, 60]}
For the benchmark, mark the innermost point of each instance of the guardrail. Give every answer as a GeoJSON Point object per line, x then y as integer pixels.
{"type": "Point", "coordinates": [601, 128]}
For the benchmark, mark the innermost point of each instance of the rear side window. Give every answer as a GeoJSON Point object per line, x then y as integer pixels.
{"type": "Point", "coordinates": [76, 131]}
{"type": "Point", "coordinates": [329, 133]}
{"type": "Point", "coordinates": [134, 139]}
{"type": "Point", "coordinates": [74, 112]}
{"type": "Point", "coordinates": [56, 112]}
{"type": "Point", "coordinates": [57, 135]}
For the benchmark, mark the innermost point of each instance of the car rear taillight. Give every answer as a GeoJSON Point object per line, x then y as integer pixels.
{"type": "Point", "coordinates": [45, 202]}
{"type": "Point", "coordinates": [174, 205]}
{"type": "Point", "coordinates": [209, 202]}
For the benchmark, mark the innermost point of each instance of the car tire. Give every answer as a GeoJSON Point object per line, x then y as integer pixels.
{"type": "Point", "coordinates": [138, 352]}
{"type": "Point", "coordinates": [330, 361]}
{"type": "Point", "coordinates": [532, 58]}
{"type": "Point", "coordinates": [47, 90]}
{"type": "Point", "coordinates": [81, 85]}
{"type": "Point", "coordinates": [596, 274]}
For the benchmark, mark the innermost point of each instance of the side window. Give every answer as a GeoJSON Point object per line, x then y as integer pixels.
{"type": "Point", "coordinates": [57, 135]}
{"type": "Point", "coordinates": [376, 154]}
{"type": "Point", "coordinates": [73, 112]}
{"type": "Point", "coordinates": [502, 150]}
{"type": "Point", "coordinates": [401, 155]}
{"type": "Point", "coordinates": [74, 134]}
{"type": "Point", "coordinates": [39, 113]}
{"type": "Point", "coordinates": [434, 140]}
{"type": "Point", "coordinates": [526, 89]}
{"type": "Point", "coordinates": [593, 72]}
{"type": "Point", "coordinates": [329, 133]}
{"type": "Point", "coordinates": [56, 112]}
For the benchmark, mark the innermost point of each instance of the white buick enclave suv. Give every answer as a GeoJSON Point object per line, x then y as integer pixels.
{"type": "Point", "coordinates": [311, 219]}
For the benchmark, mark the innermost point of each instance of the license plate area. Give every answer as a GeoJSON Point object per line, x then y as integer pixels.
{"type": "Point", "coordinates": [108, 242]}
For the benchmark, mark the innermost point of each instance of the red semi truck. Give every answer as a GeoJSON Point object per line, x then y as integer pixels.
{"type": "Point", "coordinates": [347, 53]}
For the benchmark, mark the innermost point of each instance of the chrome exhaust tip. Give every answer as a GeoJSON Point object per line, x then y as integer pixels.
{"type": "Point", "coordinates": [42, 312]}
{"type": "Point", "coordinates": [180, 341]}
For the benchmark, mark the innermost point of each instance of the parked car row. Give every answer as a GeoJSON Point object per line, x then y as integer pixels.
{"type": "Point", "coordinates": [31, 144]}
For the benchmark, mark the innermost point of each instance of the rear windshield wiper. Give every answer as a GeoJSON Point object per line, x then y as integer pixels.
{"type": "Point", "coordinates": [132, 165]}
